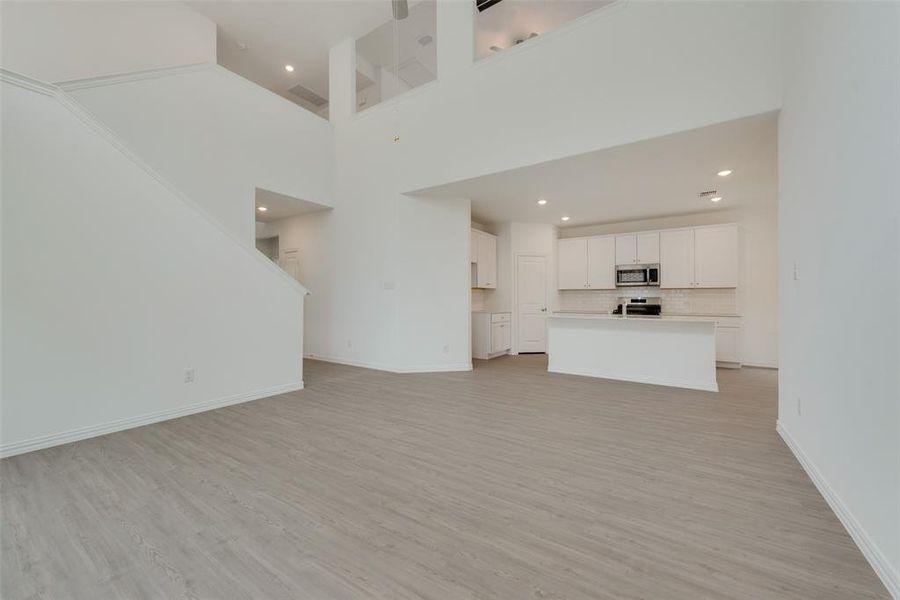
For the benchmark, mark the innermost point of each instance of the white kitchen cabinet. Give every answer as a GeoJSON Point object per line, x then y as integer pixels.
{"type": "Point", "coordinates": [676, 258]}
{"type": "Point", "coordinates": [637, 248]}
{"type": "Point", "coordinates": [626, 249]}
{"type": "Point", "coordinates": [601, 263]}
{"type": "Point", "coordinates": [586, 263]}
{"type": "Point", "coordinates": [701, 257]}
{"type": "Point", "coordinates": [647, 248]}
{"type": "Point", "coordinates": [500, 337]}
{"type": "Point", "coordinates": [484, 270]}
{"type": "Point", "coordinates": [716, 257]}
{"type": "Point", "coordinates": [572, 265]}
{"type": "Point", "coordinates": [491, 334]}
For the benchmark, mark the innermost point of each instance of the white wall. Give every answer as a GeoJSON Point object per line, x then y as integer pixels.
{"type": "Point", "coordinates": [113, 286]}
{"type": "Point", "coordinates": [632, 71]}
{"type": "Point", "coordinates": [613, 67]}
{"type": "Point", "coordinates": [218, 136]}
{"type": "Point", "coordinates": [58, 41]}
{"type": "Point", "coordinates": [757, 294]}
{"type": "Point", "coordinates": [839, 218]}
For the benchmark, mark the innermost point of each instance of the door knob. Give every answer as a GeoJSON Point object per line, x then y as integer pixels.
{"type": "Point", "coordinates": [544, 309]}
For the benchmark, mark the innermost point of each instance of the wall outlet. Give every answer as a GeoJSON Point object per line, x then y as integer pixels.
{"type": "Point", "coordinates": [349, 344]}
{"type": "Point", "coordinates": [189, 375]}
{"type": "Point", "coordinates": [446, 348]}
{"type": "Point", "coordinates": [796, 272]}
{"type": "Point", "coordinates": [799, 407]}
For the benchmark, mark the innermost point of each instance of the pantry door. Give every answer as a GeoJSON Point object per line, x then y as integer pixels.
{"type": "Point", "coordinates": [531, 304]}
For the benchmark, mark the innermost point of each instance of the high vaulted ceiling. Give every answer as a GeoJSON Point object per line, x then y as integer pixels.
{"type": "Point", "coordinates": [652, 178]}
{"type": "Point", "coordinates": [298, 33]}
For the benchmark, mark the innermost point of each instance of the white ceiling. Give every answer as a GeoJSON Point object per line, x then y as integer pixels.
{"type": "Point", "coordinates": [510, 20]}
{"type": "Point", "coordinates": [299, 33]}
{"type": "Point", "coordinates": [279, 206]}
{"type": "Point", "coordinates": [652, 178]}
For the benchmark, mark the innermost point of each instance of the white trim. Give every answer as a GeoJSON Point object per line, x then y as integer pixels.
{"type": "Point", "coordinates": [28, 83]}
{"type": "Point", "coordinates": [880, 563]}
{"type": "Point", "coordinates": [704, 386]}
{"type": "Point", "coordinates": [451, 368]}
{"type": "Point", "coordinates": [91, 121]}
{"type": "Point", "coordinates": [760, 365]}
{"type": "Point", "coordinates": [104, 80]}
{"type": "Point", "coordinates": [82, 433]}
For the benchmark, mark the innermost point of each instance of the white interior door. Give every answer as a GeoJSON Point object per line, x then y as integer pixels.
{"type": "Point", "coordinates": [531, 303]}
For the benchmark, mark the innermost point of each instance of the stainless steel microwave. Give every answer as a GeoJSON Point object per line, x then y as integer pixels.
{"type": "Point", "coordinates": [637, 275]}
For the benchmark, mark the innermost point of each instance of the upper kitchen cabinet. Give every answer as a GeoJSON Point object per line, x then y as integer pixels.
{"type": "Point", "coordinates": [572, 266]}
{"type": "Point", "coordinates": [601, 262]}
{"type": "Point", "coordinates": [676, 258]}
{"type": "Point", "coordinates": [716, 256]}
{"type": "Point", "coordinates": [484, 267]}
{"type": "Point", "coordinates": [637, 248]}
{"type": "Point", "coordinates": [703, 257]}
{"type": "Point", "coordinates": [586, 263]}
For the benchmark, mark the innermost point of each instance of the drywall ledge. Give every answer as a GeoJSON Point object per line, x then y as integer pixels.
{"type": "Point", "coordinates": [91, 431]}
{"type": "Point", "coordinates": [879, 562]}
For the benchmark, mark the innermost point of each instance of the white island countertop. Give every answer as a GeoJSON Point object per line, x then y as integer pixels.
{"type": "Point", "coordinates": [673, 350]}
{"type": "Point", "coordinates": [585, 315]}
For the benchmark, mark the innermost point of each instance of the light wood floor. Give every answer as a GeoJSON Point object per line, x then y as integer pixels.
{"type": "Point", "coordinates": [504, 483]}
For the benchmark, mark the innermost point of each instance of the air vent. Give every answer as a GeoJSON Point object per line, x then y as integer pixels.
{"type": "Point", "coordinates": [308, 95]}
{"type": "Point", "coordinates": [707, 194]}
{"type": "Point", "coordinates": [483, 5]}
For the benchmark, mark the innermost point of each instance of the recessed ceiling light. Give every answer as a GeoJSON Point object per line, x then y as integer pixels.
{"type": "Point", "coordinates": [724, 173]}
{"type": "Point", "coordinates": [261, 208]}
{"type": "Point", "coordinates": [289, 68]}
{"type": "Point", "coordinates": [715, 198]}
{"type": "Point", "coordinates": [565, 218]}
{"type": "Point", "coordinates": [542, 202]}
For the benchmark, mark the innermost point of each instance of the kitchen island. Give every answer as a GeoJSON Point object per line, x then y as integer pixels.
{"type": "Point", "coordinates": [662, 350]}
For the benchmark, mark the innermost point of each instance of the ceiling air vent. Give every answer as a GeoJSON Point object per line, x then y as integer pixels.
{"type": "Point", "coordinates": [308, 95]}
{"type": "Point", "coordinates": [483, 5]}
{"type": "Point", "coordinates": [707, 194]}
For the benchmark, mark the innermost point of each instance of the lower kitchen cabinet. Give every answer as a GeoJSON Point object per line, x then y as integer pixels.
{"type": "Point", "coordinates": [491, 334]}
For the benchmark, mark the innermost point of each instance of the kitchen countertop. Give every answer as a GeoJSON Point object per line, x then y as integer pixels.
{"type": "Point", "coordinates": [612, 317]}
{"type": "Point", "coordinates": [589, 312]}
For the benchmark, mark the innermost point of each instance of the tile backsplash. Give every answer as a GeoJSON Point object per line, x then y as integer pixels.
{"type": "Point", "coordinates": [682, 301]}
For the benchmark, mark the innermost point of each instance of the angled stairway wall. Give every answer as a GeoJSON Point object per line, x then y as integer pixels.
{"type": "Point", "coordinates": [217, 136]}
{"type": "Point", "coordinates": [114, 285]}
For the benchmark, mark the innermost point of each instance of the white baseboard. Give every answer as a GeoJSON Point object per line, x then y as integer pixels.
{"type": "Point", "coordinates": [452, 368]}
{"type": "Point", "coordinates": [82, 433]}
{"type": "Point", "coordinates": [873, 554]}
{"type": "Point", "coordinates": [760, 365]}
